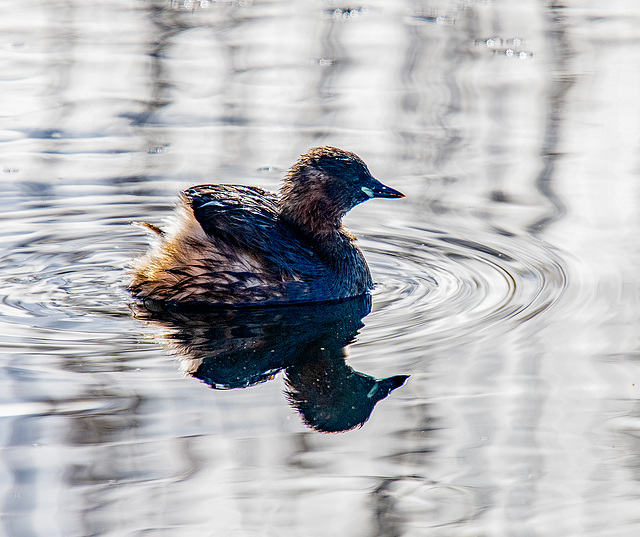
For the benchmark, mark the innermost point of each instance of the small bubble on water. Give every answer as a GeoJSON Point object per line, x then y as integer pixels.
{"type": "Point", "coordinates": [346, 14]}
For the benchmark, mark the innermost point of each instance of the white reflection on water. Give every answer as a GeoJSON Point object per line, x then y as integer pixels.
{"type": "Point", "coordinates": [507, 281]}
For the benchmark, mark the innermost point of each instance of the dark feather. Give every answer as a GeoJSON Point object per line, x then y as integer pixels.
{"type": "Point", "coordinates": [247, 217]}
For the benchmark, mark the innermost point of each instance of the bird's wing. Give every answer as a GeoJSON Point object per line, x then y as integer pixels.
{"type": "Point", "coordinates": [246, 217]}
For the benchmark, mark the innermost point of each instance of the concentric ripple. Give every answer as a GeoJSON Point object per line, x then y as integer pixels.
{"type": "Point", "coordinates": [63, 274]}
{"type": "Point", "coordinates": [430, 285]}
{"type": "Point", "coordinates": [443, 285]}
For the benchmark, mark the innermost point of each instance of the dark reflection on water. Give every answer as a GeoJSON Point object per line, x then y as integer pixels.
{"type": "Point", "coordinates": [557, 96]}
{"type": "Point", "coordinates": [241, 347]}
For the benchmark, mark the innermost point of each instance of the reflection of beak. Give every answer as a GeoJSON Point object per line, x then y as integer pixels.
{"type": "Point", "coordinates": [384, 387]}
{"type": "Point", "coordinates": [378, 190]}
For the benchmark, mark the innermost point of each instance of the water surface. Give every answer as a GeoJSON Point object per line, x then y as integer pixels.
{"type": "Point", "coordinates": [506, 282]}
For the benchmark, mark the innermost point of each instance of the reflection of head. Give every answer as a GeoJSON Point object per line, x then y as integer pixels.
{"type": "Point", "coordinates": [330, 395]}
{"type": "Point", "coordinates": [237, 348]}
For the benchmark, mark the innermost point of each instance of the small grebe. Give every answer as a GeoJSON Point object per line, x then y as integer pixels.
{"type": "Point", "coordinates": [239, 245]}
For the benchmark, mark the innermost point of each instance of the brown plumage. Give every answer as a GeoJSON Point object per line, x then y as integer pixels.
{"type": "Point", "coordinates": [241, 245]}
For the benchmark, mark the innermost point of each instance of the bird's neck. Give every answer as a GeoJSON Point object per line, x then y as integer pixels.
{"type": "Point", "coordinates": [307, 207]}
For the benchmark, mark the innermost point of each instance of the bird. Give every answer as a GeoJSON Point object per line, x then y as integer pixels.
{"type": "Point", "coordinates": [237, 245]}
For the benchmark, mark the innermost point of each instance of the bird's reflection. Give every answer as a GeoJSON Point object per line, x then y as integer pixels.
{"type": "Point", "coordinates": [237, 348]}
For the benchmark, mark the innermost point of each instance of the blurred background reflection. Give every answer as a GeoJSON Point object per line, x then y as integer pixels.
{"type": "Point", "coordinates": [506, 282]}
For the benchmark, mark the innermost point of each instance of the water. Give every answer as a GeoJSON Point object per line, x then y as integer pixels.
{"type": "Point", "coordinates": [507, 281]}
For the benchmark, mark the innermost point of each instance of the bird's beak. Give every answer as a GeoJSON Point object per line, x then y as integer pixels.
{"type": "Point", "coordinates": [375, 189]}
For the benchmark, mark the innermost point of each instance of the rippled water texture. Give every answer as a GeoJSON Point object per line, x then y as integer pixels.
{"type": "Point", "coordinates": [507, 285]}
